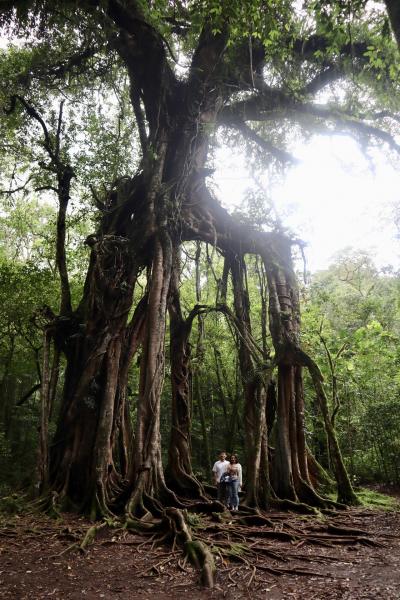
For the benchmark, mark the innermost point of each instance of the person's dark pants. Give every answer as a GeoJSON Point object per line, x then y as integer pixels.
{"type": "Point", "coordinates": [222, 492]}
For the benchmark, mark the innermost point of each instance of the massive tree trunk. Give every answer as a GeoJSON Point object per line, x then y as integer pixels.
{"type": "Point", "coordinates": [139, 225]}
{"type": "Point", "coordinates": [92, 340]}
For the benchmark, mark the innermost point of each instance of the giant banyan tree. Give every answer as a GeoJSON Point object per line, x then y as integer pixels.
{"type": "Point", "coordinates": [246, 65]}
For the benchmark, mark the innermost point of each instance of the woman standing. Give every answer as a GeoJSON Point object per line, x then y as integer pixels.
{"type": "Point", "coordinates": [235, 472]}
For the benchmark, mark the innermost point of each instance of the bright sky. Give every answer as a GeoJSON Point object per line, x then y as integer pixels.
{"type": "Point", "coordinates": [331, 200]}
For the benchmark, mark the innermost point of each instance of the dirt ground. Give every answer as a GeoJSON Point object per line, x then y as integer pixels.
{"type": "Point", "coordinates": [37, 562]}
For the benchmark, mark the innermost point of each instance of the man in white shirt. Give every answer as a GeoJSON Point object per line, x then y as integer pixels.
{"type": "Point", "coordinates": [219, 468]}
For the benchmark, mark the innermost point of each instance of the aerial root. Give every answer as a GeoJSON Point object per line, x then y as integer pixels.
{"type": "Point", "coordinates": [87, 540]}
{"type": "Point", "coordinates": [343, 530]}
{"type": "Point", "coordinates": [173, 528]}
{"type": "Point", "coordinates": [282, 571]}
{"type": "Point", "coordinates": [157, 567]}
{"type": "Point", "coordinates": [145, 526]}
{"type": "Point", "coordinates": [252, 575]}
{"type": "Point", "coordinates": [206, 507]}
{"type": "Point", "coordinates": [49, 504]}
{"type": "Point", "coordinates": [255, 520]}
{"type": "Point", "coordinates": [290, 505]}
{"type": "Point", "coordinates": [99, 507]}
{"type": "Point", "coordinates": [238, 537]}
{"type": "Point", "coordinates": [203, 559]}
{"type": "Point", "coordinates": [90, 536]}
{"type": "Point", "coordinates": [197, 552]}
{"type": "Point", "coordinates": [307, 495]}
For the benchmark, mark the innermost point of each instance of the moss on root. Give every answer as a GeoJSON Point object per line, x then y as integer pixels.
{"type": "Point", "coordinates": [12, 504]}
{"type": "Point", "coordinates": [90, 536]}
{"type": "Point", "coordinates": [198, 553]}
{"type": "Point", "coordinates": [201, 557]}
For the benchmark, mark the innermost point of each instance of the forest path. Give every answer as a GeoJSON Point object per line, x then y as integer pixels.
{"type": "Point", "coordinates": [35, 562]}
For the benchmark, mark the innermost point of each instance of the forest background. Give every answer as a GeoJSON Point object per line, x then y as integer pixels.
{"type": "Point", "coordinates": [77, 111]}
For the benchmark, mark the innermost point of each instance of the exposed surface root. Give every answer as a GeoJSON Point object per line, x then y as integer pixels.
{"type": "Point", "coordinates": [48, 503]}
{"type": "Point", "coordinates": [198, 552]}
{"type": "Point", "coordinates": [297, 507]}
{"type": "Point", "coordinates": [90, 536]}
{"type": "Point", "coordinates": [38, 557]}
{"type": "Point", "coordinates": [255, 520]}
{"type": "Point", "coordinates": [206, 507]}
{"type": "Point", "coordinates": [254, 542]}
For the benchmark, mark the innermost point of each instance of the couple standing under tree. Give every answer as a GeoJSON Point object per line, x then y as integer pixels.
{"type": "Point", "coordinates": [228, 478]}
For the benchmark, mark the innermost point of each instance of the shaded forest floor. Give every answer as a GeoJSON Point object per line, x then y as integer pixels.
{"type": "Point", "coordinates": [345, 556]}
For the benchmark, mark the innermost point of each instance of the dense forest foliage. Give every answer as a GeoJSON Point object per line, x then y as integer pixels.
{"type": "Point", "coordinates": [144, 326]}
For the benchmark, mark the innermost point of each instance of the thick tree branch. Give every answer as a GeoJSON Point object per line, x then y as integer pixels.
{"type": "Point", "coordinates": [277, 105]}
{"type": "Point", "coordinates": [207, 57]}
{"type": "Point", "coordinates": [204, 219]}
{"type": "Point", "coordinates": [245, 67]}
{"type": "Point", "coordinates": [20, 188]}
{"type": "Point", "coordinates": [306, 48]}
{"type": "Point", "coordinates": [33, 113]}
{"type": "Point", "coordinates": [347, 122]}
{"type": "Point", "coordinates": [203, 97]}
{"type": "Point", "coordinates": [281, 155]}
{"type": "Point", "coordinates": [259, 107]}
{"type": "Point", "coordinates": [325, 77]}
{"type": "Point", "coordinates": [376, 116]}
{"type": "Point", "coordinates": [28, 394]}
{"type": "Point", "coordinates": [42, 188]}
{"type": "Point", "coordinates": [143, 50]}
{"type": "Point", "coordinates": [75, 61]}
